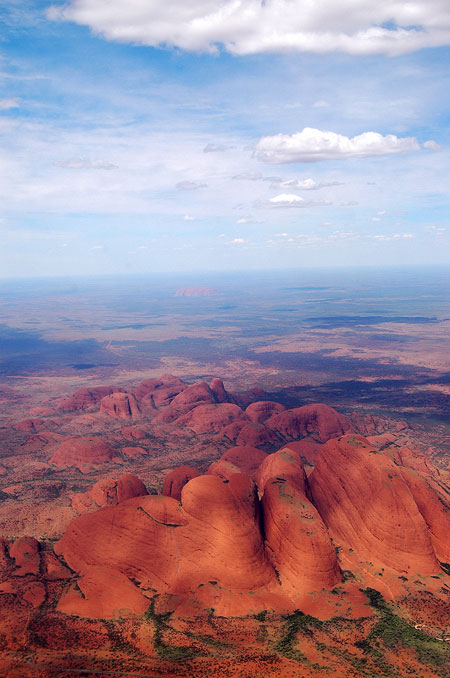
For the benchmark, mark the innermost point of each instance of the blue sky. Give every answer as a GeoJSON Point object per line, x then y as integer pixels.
{"type": "Point", "coordinates": [220, 135]}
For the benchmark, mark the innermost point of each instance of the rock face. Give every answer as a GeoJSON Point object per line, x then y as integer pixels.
{"type": "Point", "coordinates": [103, 593]}
{"type": "Point", "coordinates": [213, 536]}
{"type": "Point", "coordinates": [257, 435]}
{"type": "Point", "coordinates": [220, 394]}
{"type": "Point", "coordinates": [434, 506]}
{"type": "Point", "coordinates": [84, 398]}
{"type": "Point", "coordinates": [307, 449]}
{"type": "Point", "coordinates": [285, 464]}
{"type": "Point", "coordinates": [25, 552]}
{"type": "Point", "coordinates": [109, 492]}
{"type": "Point", "coordinates": [195, 292]}
{"type": "Point", "coordinates": [262, 410]}
{"type": "Point", "coordinates": [176, 479]}
{"type": "Point", "coordinates": [297, 538]}
{"type": "Point", "coordinates": [153, 393]}
{"type": "Point", "coordinates": [318, 421]}
{"type": "Point", "coordinates": [83, 452]}
{"type": "Point", "coordinates": [247, 459]}
{"type": "Point", "coordinates": [210, 418]}
{"type": "Point", "coordinates": [120, 405]}
{"type": "Point", "coordinates": [366, 504]}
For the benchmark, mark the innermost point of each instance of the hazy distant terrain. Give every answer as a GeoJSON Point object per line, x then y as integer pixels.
{"type": "Point", "coordinates": [376, 338]}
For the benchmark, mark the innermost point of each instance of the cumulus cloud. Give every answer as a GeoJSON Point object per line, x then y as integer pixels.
{"type": "Point", "coordinates": [312, 145]}
{"type": "Point", "coordinates": [188, 217]}
{"type": "Point", "coordinates": [84, 163]}
{"type": "Point", "coordinates": [289, 200]}
{"type": "Point", "coordinates": [189, 185]}
{"type": "Point", "coordinates": [308, 184]}
{"type": "Point", "coordinates": [250, 26]}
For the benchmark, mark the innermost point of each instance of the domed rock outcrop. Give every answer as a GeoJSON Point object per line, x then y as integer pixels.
{"type": "Point", "coordinates": [262, 410]}
{"type": "Point", "coordinates": [307, 449]}
{"type": "Point", "coordinates": [159, 392]}
{"type": "Point", "coordinates": [176, 479]}
{"type": "Point", "coordinates": [210, 418]}
{"type": "Point", "coordinates": [247, 459]}
{"type": "Point", "coordinates": [220, 394]}
{"type": "Point", "coordinates": [192, 396]}
{"type": "Point", "coordinates": [257, 435]}
{"type": "Point", "coordinates": [366, 505]}
{"type": "Point", "coordinates": [434, 507]}
{"type": "Point", "coordinates": [25, 552]}
{"type": "Point", "coordinates": [297, 538]}
{"type": "Point", "coordinates": [121, 405]}
{"type": "Point", "coordinates": [84, 398]}
{"type": "Point", "coordinates": [318, 421]}
{"type": "Point", "coordinates": [83, 452]}
{"type": "Point", "coordinates": [109, 492]}
{"type": "Point", "coordinates": [285, 464]}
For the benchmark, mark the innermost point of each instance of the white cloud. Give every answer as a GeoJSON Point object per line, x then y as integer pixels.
{"type": "Point", "coordinates": [289, 200]}
{"type": "Point", "coordinates": [214, 148]}
{"type": "Point", "coordinates": [308, 184]}
{"type": "Point", "coordinates": [188, 217]}
{"type": "Point", "coordinates": [84, 163]}
{"type": "Point", "coordinates": [189, 185]}
{"type": "Point", "coordinates": [312, 145]}
{"type": "Point", "coordinates": [237, 241]}
{"type": "Point", "coordinates": [250, 26]}
{"type": "Point", "coordinates": [7, 103]}
{"type": "Point", "coordinates": [432, 145]}
{"type": "Point", "coordinates": [249, 176]}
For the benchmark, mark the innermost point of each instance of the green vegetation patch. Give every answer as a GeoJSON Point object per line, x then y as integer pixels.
{"type": "Point", "coordinates": [172, 653]}
{"type": "Point", "coordinates": [296, 623]}
{"type": "Point", "coordinates": [392, 630]}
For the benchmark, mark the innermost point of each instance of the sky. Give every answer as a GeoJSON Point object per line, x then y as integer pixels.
{"type": "Point", "coordinates": [151, 136]}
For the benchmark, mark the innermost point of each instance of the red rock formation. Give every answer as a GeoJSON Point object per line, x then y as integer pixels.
{"type": "Point", "coordinates": [366, 505]}
{"type": "Point", "coordinates": [319, 421]}
{"type": "Point", "coordinates": [104, 592]}
{"type": "Point", "coordinates": [224, 525]}
{"type": "Point", "coordinates": [84, 398]}
{"type": "Point", "coordinates": [257, 435]}
{"type": "Point", "coordinates": [32, 425]}
{"type": "Point", "coordinates": [285, 464]}
{"type": "Point", "coordinates": [262, 410]}
{"type": "Point", "coordinates": [133, 433]}
{"type": "Point", "coordinates": [210, 418]}
{"type": "Point", "coordinates": [435, 509]}
{"type": "Point", "coordinates": [25, 551]}
{"type": "Point", "coordinates": [404, 456]}
{"type": "Point", "coordinates": [83, 452]}
{"type": "Point", "coordinates": [192, 396]}
{"type": "Point", "coordinates": [213, 537]}
{"type": "Point", "coordinates": [247, 459]}
{"type": "Point", "coordinates": [223, 469]}
{"type": "Point", "coordinates": [220, 394]}
{"type": "Point", "coordinates": [34, 593]}
{"type": "Point", "coordinates": [297, 538]}
{"type": "Point", "coordinates": [232, 431]}
{"type": "Point", "coordinates": [159, 392]}
{"type": "Point", "coordinates": [121, 405]}
{"type": "Point", "coordinates": [307, 448]}
{"type": "Point", "coordinates": [176, 479]}
{"type": "Point", "coordinates": [109, 492]}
